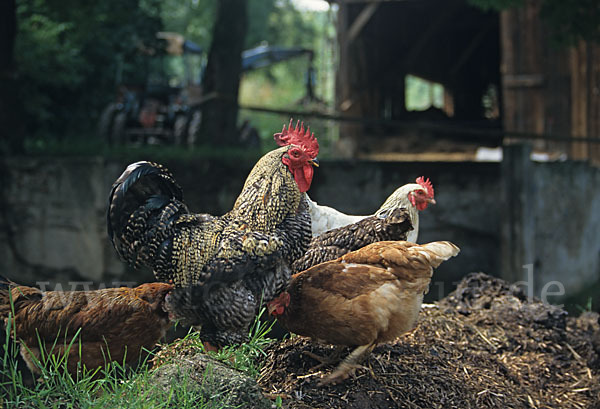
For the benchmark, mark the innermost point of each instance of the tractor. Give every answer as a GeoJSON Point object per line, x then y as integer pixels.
{"type": "Point", "coordinates": [167, 110]}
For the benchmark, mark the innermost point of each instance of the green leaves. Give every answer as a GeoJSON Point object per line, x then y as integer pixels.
{"type": "Point", "coordinates": [568, 20]}
{"type": "Point", "coordinates": [67, 54]}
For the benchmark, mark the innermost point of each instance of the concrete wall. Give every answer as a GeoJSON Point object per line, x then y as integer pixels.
{"type": "Point", "coordinates": [52, 213]}
{"type": "Point", "coordinates": [567, 224]}
{"type": "Point", "coordinates": [467, 210]}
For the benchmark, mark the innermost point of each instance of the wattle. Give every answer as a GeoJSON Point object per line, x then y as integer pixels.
{"type": "Point", "coordinates": [421, 206]}
{"type": "Point", "coordinates": [303, 177]}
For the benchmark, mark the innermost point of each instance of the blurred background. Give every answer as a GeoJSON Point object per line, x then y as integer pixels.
{"type": "Point", "coordinates": [496, 101]}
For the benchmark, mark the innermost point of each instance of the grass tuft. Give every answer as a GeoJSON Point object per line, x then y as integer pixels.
{"type": "Point", "coordinates": [116, 385]}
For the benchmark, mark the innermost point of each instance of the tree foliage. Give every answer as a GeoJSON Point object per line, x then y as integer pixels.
{"type": "Point", "coordinates": [569, 20]}
{"type": "Point", "coordinates": [69, 56]}
{"type": "Point", "coordinates": [66, 58]}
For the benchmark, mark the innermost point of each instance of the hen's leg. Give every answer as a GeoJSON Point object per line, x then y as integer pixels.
{"type": "Point", "coordinates": [348, 365]}
{"type": "Point", "coordinates": [334, 357]}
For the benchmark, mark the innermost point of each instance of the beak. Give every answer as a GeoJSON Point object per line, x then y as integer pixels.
{"type": "Point", "coordinates": [431, 200]}
{"type": "Point", "coordinates": [272, 306]}
{"type": "Point", "coordinates": [314, 162]}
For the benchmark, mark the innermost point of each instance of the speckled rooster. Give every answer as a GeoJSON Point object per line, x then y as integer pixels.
{"type": "Point", "coordinates": [221, 266]}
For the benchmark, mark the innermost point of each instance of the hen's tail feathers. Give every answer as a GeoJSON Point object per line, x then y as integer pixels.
{"type": "Point", "coordinates": [439, 251]}
{"type": "Point", "coordinates": [5, 283]}
{"type": "Point", "coordinates": [143, 205]}
{"type": "Point", "coordinates": [5, 299]}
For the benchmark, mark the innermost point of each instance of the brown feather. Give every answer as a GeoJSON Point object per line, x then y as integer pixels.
{"type": "Point", "coordinates": [114, 323]}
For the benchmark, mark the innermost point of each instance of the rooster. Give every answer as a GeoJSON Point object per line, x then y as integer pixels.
{"type": "Point", "coordinates": [221, 266]}
{"type": "Point", "coordinates": [414, 197]}
{"type": "Point", "coordinates": [364, 298]}
{"type": "Point", "coordinates": [90, 327]}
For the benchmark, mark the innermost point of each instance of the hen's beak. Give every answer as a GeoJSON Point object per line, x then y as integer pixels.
{"type": "Point", "coordinates": [271, 307]}
{"type": "Point", "coordinates": [431, 200]}
{"type": "Point", "coordinates": [314, 162]}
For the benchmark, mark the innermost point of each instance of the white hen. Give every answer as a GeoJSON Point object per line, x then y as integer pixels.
{"type": "Point", "coordinates": [413, 196]}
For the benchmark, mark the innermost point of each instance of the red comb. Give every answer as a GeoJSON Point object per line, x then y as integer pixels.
{"type": "Point", "coordinates": [426, 185]}
{"type": "Point", "coordinates": [298, 136]}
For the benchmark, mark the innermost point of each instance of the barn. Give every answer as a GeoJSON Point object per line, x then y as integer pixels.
{"type": "Point", "coordinates": [494, 78]}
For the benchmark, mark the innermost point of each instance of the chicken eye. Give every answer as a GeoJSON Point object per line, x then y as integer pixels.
{"type": "Point", "coordinates": [295, 153]}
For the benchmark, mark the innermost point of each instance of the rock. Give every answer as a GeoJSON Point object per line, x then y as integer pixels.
{"type": "Point", "coordinates": [212, 381]}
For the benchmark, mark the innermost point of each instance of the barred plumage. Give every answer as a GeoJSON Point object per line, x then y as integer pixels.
{"type": "Point", "coordinates": [221, 267]}
{"type": "Point", "coordinates": [337, 242]}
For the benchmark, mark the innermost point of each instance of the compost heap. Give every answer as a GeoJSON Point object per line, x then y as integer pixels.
{"type": "Point", "coordinates": [486, 345]}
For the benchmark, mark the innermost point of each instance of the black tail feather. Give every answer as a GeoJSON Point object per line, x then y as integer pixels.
{"type": "Point", "coordinates": [144, 203]}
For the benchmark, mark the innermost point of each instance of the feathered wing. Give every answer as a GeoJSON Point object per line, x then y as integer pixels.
{"type": "Point", "coordinates": [408, 262]}
{"type": "Point", "coordinates": [332, 244]}
{"type": "Point", "coordinates": [325, 218]}
{"type": "Point", "coordinates": [221, 266]}
{"type": "Point", "coordinates": [366, 296]}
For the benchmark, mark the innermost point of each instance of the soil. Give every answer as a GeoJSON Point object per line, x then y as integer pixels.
{"type": "Point", "coordinates": [486, 345]}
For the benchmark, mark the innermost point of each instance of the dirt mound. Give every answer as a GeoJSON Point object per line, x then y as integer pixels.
{"type": "Point", "coordinates": [485, 345]}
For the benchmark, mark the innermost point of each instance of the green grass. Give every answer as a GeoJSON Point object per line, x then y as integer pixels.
{"type": "Point", "coordinates": [248, 356]}
{"type": "Point", "coordinates": [115, 385]}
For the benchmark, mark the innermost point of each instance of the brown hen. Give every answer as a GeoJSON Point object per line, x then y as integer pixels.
{"type": "Point", "coordinates": [112, 324]}
{"type": "Point", "coordinates": [364, 298]}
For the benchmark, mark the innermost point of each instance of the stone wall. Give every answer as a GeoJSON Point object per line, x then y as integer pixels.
{"type": "Point", "coordinates": [53, 213]}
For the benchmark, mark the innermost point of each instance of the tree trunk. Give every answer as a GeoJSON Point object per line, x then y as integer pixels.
{"type": "Point", "coordinates": [222, 76]}
{"type": "Point", "coordinates": [9, 111]}
{"type": "Point", "coordinates": [8, 32]}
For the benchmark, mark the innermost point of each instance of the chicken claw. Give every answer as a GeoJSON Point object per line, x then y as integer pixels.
{"type": "Point", "coordinates": [325, 360]}
{"type": "Point", "coordinates": [341, 373]}
{"type": "Point", "coordinates": [348, 365]}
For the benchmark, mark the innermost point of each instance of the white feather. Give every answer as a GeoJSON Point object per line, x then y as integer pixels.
{"type": "Point", "coordinates": [325, 218]}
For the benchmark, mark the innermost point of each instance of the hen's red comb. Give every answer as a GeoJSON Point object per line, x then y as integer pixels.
{"type": "Point", "coordinates": [426, 185]}
{"type": "Point", "coordinates": [298, 136]}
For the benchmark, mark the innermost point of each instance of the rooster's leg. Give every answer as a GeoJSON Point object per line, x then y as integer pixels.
{"type": "Point", "coordinates": [348, 365]}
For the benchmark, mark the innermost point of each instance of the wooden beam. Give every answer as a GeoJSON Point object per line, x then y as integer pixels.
{"type": "Point", "coordinates": [360, 21]}
{"type": "Point", "coordinates": [518, 218]}
{"type": "Point", "coordinates": [579, 100]}
{"type": "Point", "coordinates": [523, 80]}
{"type": "Point", "coordinates": [522, 68]}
